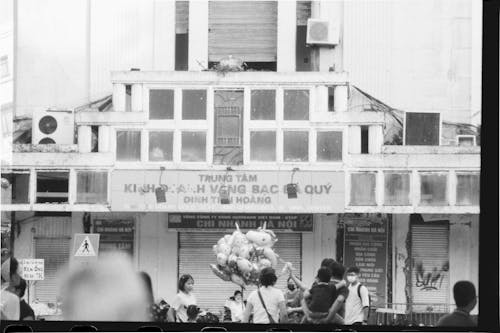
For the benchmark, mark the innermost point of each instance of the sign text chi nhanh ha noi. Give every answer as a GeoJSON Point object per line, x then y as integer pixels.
{"type": "Point", "coordinates": [199, 191]}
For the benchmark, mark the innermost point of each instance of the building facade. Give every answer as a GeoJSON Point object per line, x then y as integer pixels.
{"type": "Point", "coordinates": [172, 151]}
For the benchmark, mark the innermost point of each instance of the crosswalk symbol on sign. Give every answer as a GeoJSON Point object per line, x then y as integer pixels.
{"type": "Point", "coordinates": [85, 249]}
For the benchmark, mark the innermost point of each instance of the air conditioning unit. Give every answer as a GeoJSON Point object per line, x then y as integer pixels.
{"type": "Point", "coordinates": [322, 32]}
{"type": "Point", "coordinates": [53, 127]}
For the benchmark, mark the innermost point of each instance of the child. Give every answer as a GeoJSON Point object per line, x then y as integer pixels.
{"type": "Point", "coordinates": [320, 297]}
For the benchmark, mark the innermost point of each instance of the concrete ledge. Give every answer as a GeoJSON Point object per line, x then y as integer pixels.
{"type": "Point", "coordinates": [348, 117]}
{"type": "Point", "coordinates": [416, 210]}
{"type": "Point", "coordinates": [425, 161]}
{"type": "Point", "coordinates": [430, 150]}
{"type": "Point", "coordinates": [62, 160]}
{"type": "Point", "coordinates": [109, 118]}
{"type": "Point", "coordinates": [240, 78]}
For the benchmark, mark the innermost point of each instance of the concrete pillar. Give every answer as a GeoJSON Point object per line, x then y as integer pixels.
{"type": "Point", "coordinates": [136, 98]}
{"type": "Point", "coordinates": [400, 255]}
{"type": "Point", "coordinates": [164, 35]}
{"type": "Point", "coordinates": [340, 96]}
{"type": "Point", "coordinates": [321, 99]}
{"type": "Point", "coordinates": [84, 139]}
{"type": "Point", "coordinates": [104, 139]}
{"type": "Point", "coordinates": [287, 12]}
{"type": "Point", "coordinates": [119, 99]}
{"type": "Point", "coordinates": [198, 35]}
{"type": "Point", "coordinates": [354, 139]}
{"type": "Point", "coordinates": [375, 139]}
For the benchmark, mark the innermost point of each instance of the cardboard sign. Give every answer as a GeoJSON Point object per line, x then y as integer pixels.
{"type": "Point", "coordinates": [33, 269]}
{"type": "Point", "coordinates": [85, 249]}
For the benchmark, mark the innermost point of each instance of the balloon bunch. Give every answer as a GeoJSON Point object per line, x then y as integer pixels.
{"type": "Point", "coordinates": [241, 257]}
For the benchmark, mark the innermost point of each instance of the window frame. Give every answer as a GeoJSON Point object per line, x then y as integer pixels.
{"type": "Point", "coordinates": [142, 146]}
{"type": "Point", "coordinates": [147, 144]}
{"type": "Point", "coordinates": [179, 146]}
{"type": "Point", "coordinates": [317, 130]}
{"type": "Point", "coordinates": [147, 99]}
{"type": "Point", "coordinates": [410, 190]}
{"type": "Point", "coordinates": [282, 138]}
{"type": "Point", "coordinates": [108, 186]}
{"type": "Point", "coordinates": [447, 187]}
{"type": "Point", "coordinates": [349, 188]}
{"type": "Point", "coordinates": [467, 173]}
{"type": "Point", "coordinates": [276, 148]}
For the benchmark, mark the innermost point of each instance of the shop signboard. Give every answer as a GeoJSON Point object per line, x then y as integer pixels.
{"type": "Point", "coordinates": [241, 191]}
{"type": "Point", "coordinates": [366, 247]}
{"type": "Point", "coordinates": [226, 222]}
{"type": "Point", "coordinates": [33, 269]}
{"type": "Point", "coordinates": [115, 235]}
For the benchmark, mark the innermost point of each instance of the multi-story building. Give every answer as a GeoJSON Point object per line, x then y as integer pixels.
{"type": "Point", "coordinates": [169, 152]}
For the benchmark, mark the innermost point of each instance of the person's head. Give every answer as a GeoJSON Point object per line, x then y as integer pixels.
{"type": "Point", "coordinates": [148, 286]}
{"type": "Point", "coordinates": [186, 283]}
{"type": "Point", "coordinates": [352, 274]}
{"type": "Point", "coordinates": [192, 312]}
{"type": "Point", "coordinates": [291, 284]}
{"type": "Point", "coordinates": [10, 272]}
{"type": "Point", "coordinates": [106, 290]}
{"type": "Point", "coordinates": [21, 288]}
{"type": "Point", "coordinates": [337, 270]}
{"type": "Point", "coordinates": [268, 277]}
{"type": "Point", "coordinates": [327, 262]}
{"type": "Point", "coordinates": [324, 274]}
{"type": "Point", "coordinates": [464, 294]}
{"type": "Point", "coordinates": [238, 296]}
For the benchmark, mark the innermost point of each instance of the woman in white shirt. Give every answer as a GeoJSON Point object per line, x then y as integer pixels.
{"type": "Point", "coordinates": [266, 303]}
{"type": "Point", "coordinates": [183, 299]}
{"type": "Point", "coordinates": [237, 306]}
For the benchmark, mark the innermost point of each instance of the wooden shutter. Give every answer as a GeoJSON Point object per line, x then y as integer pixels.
{"type": "Point", "coordinates": [243, 29]}
{"type": "Point", "coordinates": [55, 252]}
{"type": "Point", "coordinates": [430, 276]}
{"type": "Point", "coordinates": [195, 256]}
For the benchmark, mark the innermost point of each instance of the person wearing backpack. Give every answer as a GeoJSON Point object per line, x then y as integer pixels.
{"type": "Point", "coordinates": [357, 305]}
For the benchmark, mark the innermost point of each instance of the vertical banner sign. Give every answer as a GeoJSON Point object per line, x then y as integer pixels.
{"type": "Point", "coordinates": [365, 246]}
{"type": "Point", "coordinates": [85, 249]}
{"type": "Point", "coordinates": [33, 269]}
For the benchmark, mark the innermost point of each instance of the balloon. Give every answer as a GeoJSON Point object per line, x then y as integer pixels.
{"type": "Point", "coordinates": [219, 273]}
{"type": "Point", "coordinates": [225, 249]}
{"type": "Point", "coordinates": [260, 238]}
{"type": "Point", "coordinates": [221, 259]}
{"type": "Point", "coordinates": [222, 241]}
{"type": "Point", "coordinates": [215, 249]}
{"type": "Point", "coordinates": [269, 254]}
{"type": "Point", "coordinates": [238, 280]}
{"type": "Point", "coordinates": [265, 263]}
{"type": "Point", "coordinates": [232, 258]}
{"type": "Point", "coordinates": [244, 265]}
{"type": "Point", "coordinates": [229, 240]}
{"type": "Point", "coordinates": [235, 250]}
{"type": "Point", "coordinates": [245, 251]}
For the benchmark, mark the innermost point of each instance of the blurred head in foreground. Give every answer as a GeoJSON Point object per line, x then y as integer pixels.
{"type": "Point", "coordinates": [107, 290]}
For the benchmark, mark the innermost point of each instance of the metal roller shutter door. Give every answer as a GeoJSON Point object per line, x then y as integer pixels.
{"type": "Point", "coordinates": [430, 247]}
{"type": "Point", "coordinates": [55, 252]}
{"type": "Point", "coordinates": [243, 29]}
{"type": "Point", "coordinates": [195, 256]}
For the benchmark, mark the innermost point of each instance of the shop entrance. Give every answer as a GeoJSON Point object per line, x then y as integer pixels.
{"type": "Point", "coordinates": [195, 256]}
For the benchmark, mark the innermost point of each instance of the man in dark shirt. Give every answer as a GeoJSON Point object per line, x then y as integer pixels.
{"type": "Point", "coordinates": [27, 312]}
{"type": "Point", "coordinates": [464, 293]}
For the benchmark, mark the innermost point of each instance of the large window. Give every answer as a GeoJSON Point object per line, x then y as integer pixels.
{"type": "Point", "coordinates": [161, 146]}
{"type": "Point", "coordinates": [296, 104]}
{"type": "Point", "coordinates": [52, 187]}
{"type": "Point", "coordinates": [15, 187]}
{"type": "Point", "coordinates": [363, 189]}
{"type": "Point", "coordinates": [263, 146]}
{"type": "Point", "coordinates": [468, 189]}
{"type": "Point", "coordinates": [433, 189]}
{"type": "Point", "coordinates": [263, 105]}
{"type": "Point", "coordinates": [194, 146]}
{"type": "Point", "coordinates": [296, 146]}
{"type": "Point", "coordinates": [161, 104]}
{"type": "Point", "coordinates": [194, 104]}
{"type": "Point", "coordinates": [397, 188]}
{"type": "Point", "coordinates": [92, 187]}
{"type": "Point", "coordinates": [128, 145]}
{"type": "Point", "coordinates": [329, 146]}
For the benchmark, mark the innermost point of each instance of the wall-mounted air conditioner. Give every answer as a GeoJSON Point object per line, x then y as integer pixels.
{"type": "Point", "coordinates": [53, 127]}
{"type": "Point", "coordinates": [322, 32]}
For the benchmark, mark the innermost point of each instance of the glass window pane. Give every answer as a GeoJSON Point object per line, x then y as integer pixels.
{"type": "Point", "coordinates": [296, 105]}
{"type": "Point", "coordinates": [295, 146]}
{"type": "Point", "coordinates": [263, 146]}
{"type": "Point", "coordinates": [128, 145]}
{"type": "Point", "coordinates": [193, 147]}
{"type": "Point", "coordinates": [397, 189]}
{"type": "Point", "coordinates": [161, 146]}
{"type": "Point", "coordinates": [363, 189]}
{"type": "Point", "coordinates": [194, 104]}
{"type": "Point", "coordinates": [433, 189]}
{"type": "Point", "coordinates": [228, 127]}
{"type": "Point", "coordinates": [161, 104]}
{"type": "Point", "coordinates": [15, 188]}
{"type": "Point", "coordinates": [92, 187]}
{"type": "Point", "coordinates": [263, 105]}
{"type": "Point", "coordinates": [52, 187]}
{"type": "Point", "coordinates": [467, 189]}
{"type": "Point", "coordinates": [329, 146]}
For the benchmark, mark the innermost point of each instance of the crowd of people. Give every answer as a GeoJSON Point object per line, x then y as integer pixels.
{"type": "Point", "coordinates": [111, 290]}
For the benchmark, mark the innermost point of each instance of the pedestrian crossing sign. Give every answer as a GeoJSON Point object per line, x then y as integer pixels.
{"type": "Point", "coordinates": [85, 249]}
